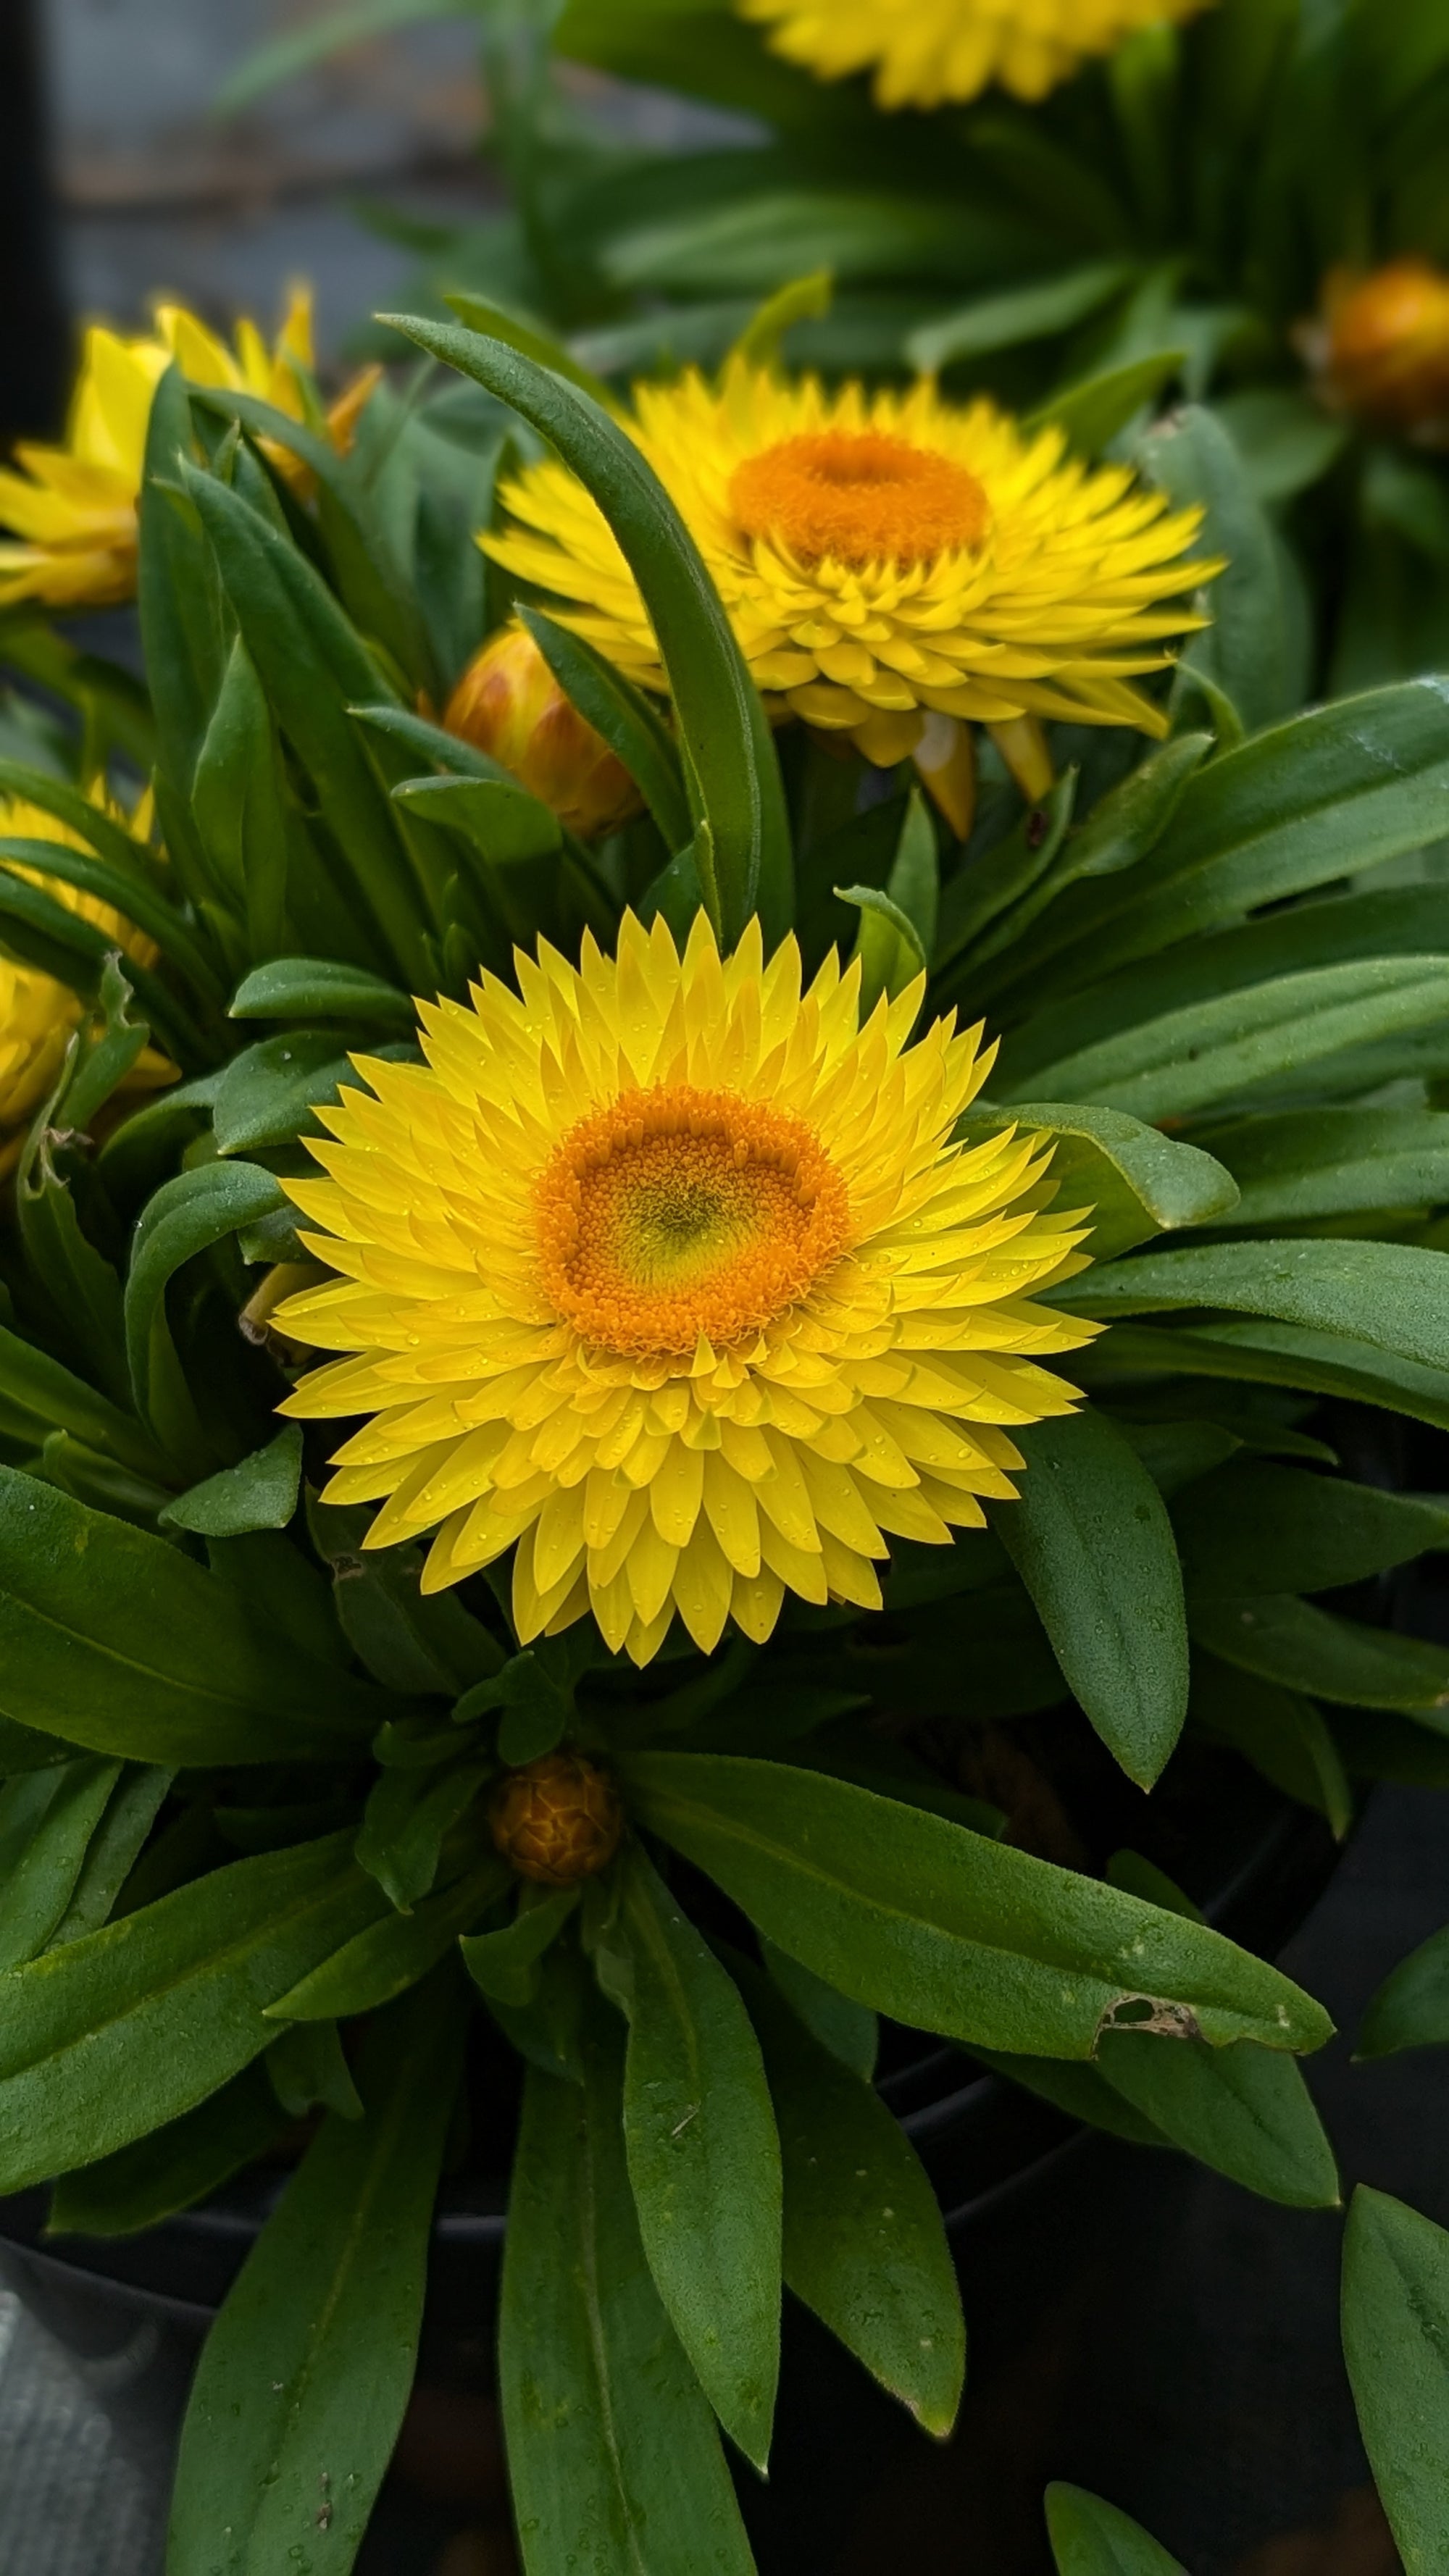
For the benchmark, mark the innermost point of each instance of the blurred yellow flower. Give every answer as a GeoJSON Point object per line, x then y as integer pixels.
{"type": "Point", "coordinates": [882, 556]}
{"type": "Point", "coordinates": [1381, 349]}
{"type": "Point", "coordinates": [72, 509]}
{"type": "Point", "coordinates": [925, 52]}
{"type": "Point", "coordinates": [38, 1014]}
{"type": "Point", "coordinates": [672, 1278]}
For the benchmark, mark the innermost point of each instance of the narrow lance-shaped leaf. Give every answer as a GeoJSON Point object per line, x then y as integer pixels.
{"type": "Point", "coordinates": [725, 738]}
{"type": "Point", "coordinates": [112, 1639]}
{"type": "Point", "coordinates": [703, 2154]}
{"type": "Point", "coordinates": [112, 2035]}
{"type": "Point", "coordinates": [300, 2392]}
{"type": "Point", "coordinates": [944, 1929]}
{"type": "Point", "coordinates": [613, 2456]}
{"type": "Point", "coordinates": [1396, 2344]}
{"type": "Point", "coordinates": [1245, 2111]}
{"type": "Point", "coordinates": [865, 2246]}
{"type": "Point", "coordinates": [1091, 2538]}
{"type": "Point", "coordinates": [1092, 1542]}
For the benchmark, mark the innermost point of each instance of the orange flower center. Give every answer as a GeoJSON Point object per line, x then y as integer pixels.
{"type": "Point", "coordinates": [861, 497]}
{"type": "Point", "coordinates": [678, 1212]}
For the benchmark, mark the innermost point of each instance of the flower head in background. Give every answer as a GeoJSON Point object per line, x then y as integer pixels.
{"type": "Point", "coordinates": [72, 509]}
{"type": "Point", "coordinates": [671, 1277]}
{"type": "Point", "coordinates": [924, 53]}
{"type": "Point", "coordinates": [39, 1014]}
{"type": "Point", "coordinates": [1381, 348]}
{"type": "Point", "coordinates": [509, 704]}
{"type": "Point", "coordinates": [882, 557]}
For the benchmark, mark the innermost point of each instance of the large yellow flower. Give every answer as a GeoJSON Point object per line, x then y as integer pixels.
{"type": "Point", "coordinates": [882, 556]}
{"type": "Point", "coordinates": [925, 51]}
{"type": "Point", "coordinates": [38, 1014]}
{"type": "Point", "coordinates": [674, 1277]}
{"type": "Point", "coordinates": [73, 508]}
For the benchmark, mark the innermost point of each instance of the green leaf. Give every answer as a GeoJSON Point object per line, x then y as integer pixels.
{"type": "Point", "coordinates": [308, 2072]}
{"type": "Point", "coordinates": [110, 2036]}
{"type": "Point", "coordinates": [702, 2151]}
{"type": "Point", "coordinates": [173, 2168]}
{"type": "Point", "coordinates": [186, 1217]}
{"type": "Point", "coordinates": [940, 1927]}
{"type": "Point", "coordinates": [410, 1640]}
{"type": "Point", "coordinates": [613, 2457]}
{"type": "Point", "coordinates": [887, 945]}
{"type": "Point", "coordinates": [1191, 1059]}
{"type": "Point", "coordinates": [803, 299]}
{"type": "Point", "coordinates": [1090, 2538]}
{"type": "Point", "coordinates": [270, 1093]}
{"type": "Point", "coordinates": [301, 2387]}
{"type": "Point", "coordinates": [356, 23]}
{"type": "Point", "coordinates": [1271, 1355]}
{"type": "Point", "coordinates": [1279, 1731]}
{"type": "Point", "coordinates": [407, 1819]}
{"type": "Point", "coordinates": [1135, 1181]}
{"type": "Point", "coordinates": [1079, 2091]}
{"type": "Point", "coordinates": [495, 816]}
{"type": "Point", "coordinates": [1257, 1526]}
{"type": "Point", "coordinates": [494, 321]}
{"type": "Point", "coordinates": [261, 1493]}
{"type": "Point", "coordinates": [1040, 311]}
{"type": "Point", "coordinates": [113, 1639]}
{"type": "Point", "coordinates": [1244, 2111]}
{"type": "Point", "coordinates": [1093, 411]}
{"type": "Point", "coordinates": [723, 732]}
{"type": "Point", "coordinates": [1411, 2008]}
{"type": "Point", "coordinates": [847, 2029]}
{"type": "Point", "coordinates": [1124, 826]}
{"type": "Point", "coordinates": [1327, 1162]}
{"type": "Point", "coordinates": [313, 668]}
{"type": "Point", "coordinates": [387, 1958]}
{"type": "Point", "coordinates": [34, 1385]}
{"type": "Point", "coordinates": [1391, 1296]}
{"type": "Point", "coordinates": [238, 808]}
{"type": "Point", "coordinates": [1396, 2344]}
{"type": "Point", "coordinates": [1003, 883]}
{"type": "Point", "coordinates": [318, 988]}
{"type": "Point", "coordinates": [1328, 795]}
{"type": "Point", "coordinates": [624, 718]}
{"type": "Point", "coordinates": [113, 1850]}
{"type": "Point", "coordinates": [47, 1819]}
{"type": "Point", "coordinates": [864, 2245]}
{"type": "Point", "coordinates": [1250, 647]}
{"type": "Point", "coordinates": [1286, 440]}
{"type": "Point", "coordinates": [1092, 1542]}
{"type": "Point", "coordinates": [504, 1965]}
{"type": "Point", "coordinates": [1307, 1649]}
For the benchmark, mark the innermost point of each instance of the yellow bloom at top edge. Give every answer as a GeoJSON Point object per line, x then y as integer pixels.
{"type": "Point", "coordinates": [72, 508]}
{"type": "Point", "coordinates": [924, 53]}
{"type": "Point", "coordinates": [882, 556]}
{"type": "Point", "coordinates": [39, 1014]}
{"type": "Point", "coordinates": [670, 1277]}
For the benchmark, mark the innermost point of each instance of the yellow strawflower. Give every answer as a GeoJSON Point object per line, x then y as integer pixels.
{"type": "Point", "coordinates": [674, 1277]}
{"type": "Point", "coordinates": [38, 1014]}
{"type": "Point", "coordinates": [73, 508]}
{"type": "Point", "coordinates": [924, 52]}
{"type": "Point", "coordinates": [882, 556]}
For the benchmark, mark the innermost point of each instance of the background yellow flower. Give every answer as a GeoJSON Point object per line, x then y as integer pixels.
{"type": "Point", "coordinates": [882, 556]}
{"type": "Point", "coordinates": [672, 1276]}
{"type": "Point", "coordinates": [73, 508]}
{"type": "Point", "coordinates": [923, 52]}
{"type": "Point", "coordinates": [38, 1014]}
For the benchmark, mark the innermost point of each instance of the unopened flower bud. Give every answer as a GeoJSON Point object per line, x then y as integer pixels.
{"type": "Point", "coordinates": [509, 704]}
{"type": "Point", "coordinates": [558, 1819]}
{"type": "Point", "coordinates": [1381, 350]}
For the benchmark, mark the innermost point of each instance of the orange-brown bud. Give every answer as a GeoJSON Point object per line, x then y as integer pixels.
{"type": "Point", "coordinates": [1382, 350]}
{"type": "Point", "coordinates": [510, 705]}
{"type": "Point", "coordinates": [557, 1819]}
